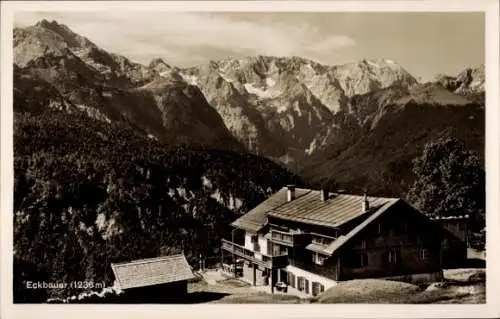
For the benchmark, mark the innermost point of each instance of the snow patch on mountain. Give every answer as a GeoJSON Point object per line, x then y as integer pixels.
{"type": "Point", "coordinates": [373, 64]}
{"type": "Point", "coordinates": [270, 82]}
{"type": "Point", "coordinates": [225, 77]}
{"type": "Point", "coordinates": [83, 54]}
{"type": "Point", "coordinates": [165, 73]}
{"type": "Point", "coordinates": [189, 78]}
{"type": "Point", "coordinates": [282, 108]}
{"type": "Point", "coordinates": [259, 92]}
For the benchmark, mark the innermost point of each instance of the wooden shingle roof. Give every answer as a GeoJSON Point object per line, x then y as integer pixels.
{"type": "Point", "coordinates": [337, 210]}
{"type": "Point", "coordinates": [152, 271]}
{"type": "Point", "coordinates": [255, 219]}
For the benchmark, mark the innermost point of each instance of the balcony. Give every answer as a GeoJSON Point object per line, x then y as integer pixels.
{"type": "Point", "coordinates": [289, 239]}
{"type": "Point", "coordinates": [255, 257]}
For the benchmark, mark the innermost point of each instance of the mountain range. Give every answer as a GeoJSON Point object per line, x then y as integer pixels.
{"type": "Point", "coordinates": [358, 124]}
{"type": "Point", "coordinates": [117, 161]}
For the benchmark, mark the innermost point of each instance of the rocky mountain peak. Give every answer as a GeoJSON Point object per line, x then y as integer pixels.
{"type": "Point", "coordinates": [44, 23]}
{"type": "Point", "coordinates": [71, 38]}
{"type": "Point", "coordinates": [469, 82]}
{"type": "Point", "coordinates": [159, 65]}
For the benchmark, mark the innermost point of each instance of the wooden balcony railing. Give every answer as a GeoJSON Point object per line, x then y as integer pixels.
{"type": "Point", "coordinates": [289, 239]}
{"type": "Point", "coordinates": [257, 258]}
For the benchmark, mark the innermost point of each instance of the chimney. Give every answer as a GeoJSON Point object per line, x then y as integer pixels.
{"type": "Point", "coordinates": [324, 195]}
{"type": "Point", "coordinates": [365, 205]}
{"type": "Point", "coordinates": [290, 193]}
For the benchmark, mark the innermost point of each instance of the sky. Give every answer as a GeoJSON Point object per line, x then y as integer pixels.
{"type": "Point", "coordinates": [423, 43]}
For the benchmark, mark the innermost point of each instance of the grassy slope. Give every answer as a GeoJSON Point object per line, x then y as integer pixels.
{"type": "Point", "coordinates": [459, 287]}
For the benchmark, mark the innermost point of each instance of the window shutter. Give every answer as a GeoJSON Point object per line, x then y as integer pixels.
{"type": "Point", "coordinates": [291, 279]}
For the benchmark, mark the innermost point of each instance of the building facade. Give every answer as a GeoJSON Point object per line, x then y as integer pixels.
{"type": "Point", "coordinates": [310, 240]}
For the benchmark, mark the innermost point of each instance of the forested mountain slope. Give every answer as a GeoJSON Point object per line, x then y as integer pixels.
{"type": "Point", "coordinates": [88, 193]}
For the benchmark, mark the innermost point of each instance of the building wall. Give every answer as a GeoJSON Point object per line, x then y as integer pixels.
{"type": "Point", "coordinates": [248, 275]}
{"type": "Point", "coordinates": [377, 266]}
{"type": "Point", "coordinates": [310, 276]}
{"type": "Point", "coordinates": [302, 259]}
{"type": "Point", "coordinates": [454, 252]}
{"type": "Point", "coordinates": [261, 240]}
{"type": "Point", "coordinates": [458, 227]}
{"type": "Point", "coordinates": [402, 230]}
{"type": "Point", "coordinates": [248, 241]}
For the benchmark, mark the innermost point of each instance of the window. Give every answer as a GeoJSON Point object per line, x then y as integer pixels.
{"type": "Point", "coordinates": [256, 245]}
{"type": "Point", "coordinates": [317, 288]}
{"type": "Point", "coordinates": [276, 250]}
{"type": "Point", "coordinates": [283, 250]}
{"type": "Point", "coordinates": [321, 260]}
{"type": "Point", "coordinates": [318, 259]}
{"type": "Point", "coordinates": [423, 254]}
{"type": "Point", "coordinates": [301, 283]}
{"type": "Point", "coordinates": [321, 240]}
{"type": "Point", "coordinates": [394, 256]}
{"type": "Point", "coordinates": [306, 286]}
{"type": "Point", "coordinates": [281, 236]}
{"type": "Point", "coordinates": [279, 250]}
{"type": "Point", "coordinates": [359, 260]}
{"type": "Point", "coordinates": [363, 244]}
{"type": "Point", "coordinates": [383, 230]}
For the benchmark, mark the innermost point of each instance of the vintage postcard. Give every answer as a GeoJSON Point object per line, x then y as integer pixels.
{"type": "Point", "coordinates": [184, 156]}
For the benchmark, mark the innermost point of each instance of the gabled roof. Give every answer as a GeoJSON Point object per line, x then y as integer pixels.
{"type": "Point", "coordinates": [152, 271]}
{"type": "Point", "coordinates": [337, 210]}
{"type": "Point", "coordinates": [340, 241]}
{"type": "Point", "coordinates": [255, 219]}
